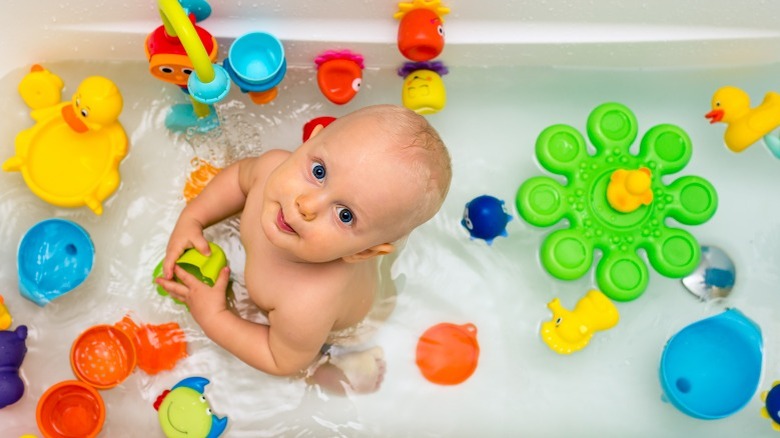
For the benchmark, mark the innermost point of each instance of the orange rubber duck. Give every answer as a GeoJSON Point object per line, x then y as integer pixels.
{"type": "Point", "coordinates": [746, 125]}
{"type": "Point", "coordinates": [628, 189]}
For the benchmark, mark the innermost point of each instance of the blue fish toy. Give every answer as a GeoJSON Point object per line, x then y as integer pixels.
{"type": "Point", "coordinates": [485, 217]}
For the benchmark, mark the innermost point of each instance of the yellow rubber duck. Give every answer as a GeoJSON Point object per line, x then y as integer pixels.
{"type": "Point", "coordinates": [571, 331]}
{"type": "Point", "coordinates": [746, 125]}
{"type": "Point", "coordinates": [71, 156]}
{"type": "Point", "coordinates": [628, 189]}
{"type": "Point", "coordinates": [5, 317]}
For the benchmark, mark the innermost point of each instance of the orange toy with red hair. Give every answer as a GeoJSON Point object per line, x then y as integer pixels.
{"type": "Point", "coordinates": [168, 61]}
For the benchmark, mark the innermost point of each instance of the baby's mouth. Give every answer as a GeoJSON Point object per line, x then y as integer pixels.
{"type": "Point", "coordinates": [280, 222]}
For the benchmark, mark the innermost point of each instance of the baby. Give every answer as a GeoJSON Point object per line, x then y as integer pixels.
{"type": "Point", "coordinates": [313, 222]}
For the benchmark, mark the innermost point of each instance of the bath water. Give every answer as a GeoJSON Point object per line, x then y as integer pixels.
{"type": "Point", "coordinates": [490, 124]}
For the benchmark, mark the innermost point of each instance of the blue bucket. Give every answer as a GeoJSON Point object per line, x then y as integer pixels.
{"type": "Point", "coordinates": [54, 257]}
{"type": "Point", "coordinates": [711, 368]}
{"type": "Point", "coordinates": [256, 57]}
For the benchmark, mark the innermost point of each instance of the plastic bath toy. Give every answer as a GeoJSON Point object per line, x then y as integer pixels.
{"type": "Point", "coordinates": [423, 91]}
{"type": "Point", "coordinates": [157, 347]}
{"type": "Point", "coordinates": [184, 412]}
{"type": "Point", "coordinates": [71, 156]}
{"type": "Point", "coordinates": [339, 75]}
{"type": "Point", "coordinates": [257, 64]}
{"type": "Point", "coordinates": [205, 268]}
{"type": "Point", "coordinates": [70, 409]}
{"type": "Point", "coordinates": [421, 30]}
{"type": "Point", "coordinates": [447, 354]}
{"type": "Point", "coordinates": [198, 179]}
{"type": "Point", "coordinates": [628, 189]}
{"type": "Point", "coordinates": [5, 316]}
{"type": "Point", "coordinates": [771, 409]}
{"type": "Point", "coordinates": [571, 331]}
{"type": "Point", "coordinates": [313, 123]}
{"type": "Point", "coordinates": [714, 277]}
{"type": "Point", "coordinates": [55, 256]}
{"type": "Point", "coordinates": [12, 351]}
{"type": "Point", "coordinates": [168, 59]}
{"type": "Point", "coordinates": [746, 125]}
{"type": "Point", "coordinates": [485, 217]}
{"type": "Point", "coordinates": [103, 356]}
{"type": "Point", "coordinates": [567, 254]}
{"type": "Point", "coordinates": [711, 368]}
{"type": "Point", "coordinates": [182, 53]}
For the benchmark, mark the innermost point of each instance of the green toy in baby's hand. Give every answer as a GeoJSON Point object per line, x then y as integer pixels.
{"type": "Point", "coordinates": [204, 268]}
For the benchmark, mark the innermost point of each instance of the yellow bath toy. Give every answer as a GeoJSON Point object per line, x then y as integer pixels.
{"type": "Point", "coordinates": [40, 88]}
{"type": "Point", "coordinates": [628, 189]}
{"type": "Point", "coordinates": [5, 317]}
{"type": "Point", "coordinates": [71, 156]}
{"type": "Point", "coordinates": [423, 91]}
{"type": "Point", "coordinates": [570, 331]}
{"type": "Point", "coordinates": [746, 125]}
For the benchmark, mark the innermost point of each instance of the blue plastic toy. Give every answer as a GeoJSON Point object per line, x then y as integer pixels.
{"type": "Point", "coordinates": [771, 407]}
{"type": "Point", "coordinates": [711, 368]}
{"type": "Point", "coordinates": [55, 256]}
{"type": "Point", "coordinates": [184, 412]}
{"type": "Point", "coordinates": [485, 217]}
{"type": "Point", "coordinates": [12, 351]}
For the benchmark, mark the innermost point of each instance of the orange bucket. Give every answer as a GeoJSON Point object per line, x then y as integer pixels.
{"type": "Point", "coordinates": [103, 356]}
{"type": "Point", "coordinates": [70, 409]}
{"type": "Point", "coordinates": [447, 354]}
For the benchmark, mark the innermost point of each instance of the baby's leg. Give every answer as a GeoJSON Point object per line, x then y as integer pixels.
{"type": "Point", "coordinates": [359, 372]}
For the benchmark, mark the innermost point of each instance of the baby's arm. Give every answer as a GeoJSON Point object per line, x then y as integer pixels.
{"type": "Point", "coordinates": [298, 328]}
{"type": "Point", "coordinates": [222, 197]}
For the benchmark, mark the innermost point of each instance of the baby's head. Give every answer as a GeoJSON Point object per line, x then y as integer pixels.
{"type": "Point", "coordinates": [421, 164]}
{"type": "Point", "coordinates": [360, 185]}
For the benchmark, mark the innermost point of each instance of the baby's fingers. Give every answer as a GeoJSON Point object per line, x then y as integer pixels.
{"type": "Point", "coordinates": [222, 280]}
{"type": "Point", "coordinates": [185, 277]}
{"type": "Point", "coordinates": [175, 289]}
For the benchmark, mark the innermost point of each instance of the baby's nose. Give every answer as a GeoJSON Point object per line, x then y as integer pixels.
{"type": "Point", "coordinates": [308, 206]}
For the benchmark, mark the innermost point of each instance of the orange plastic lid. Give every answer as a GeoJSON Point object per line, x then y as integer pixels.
{"type": "Point", "coordinates": [103, 356]}
{"type": "Point", "coordinates": [158, 347]}
{"type": "Point", "coordinates": [70, 409]}
{"type": "Point", "coordinates": [447, 354]}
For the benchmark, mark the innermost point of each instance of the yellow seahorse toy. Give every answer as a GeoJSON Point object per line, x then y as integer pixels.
{"type": "Point", "coordinates": [570, 331]}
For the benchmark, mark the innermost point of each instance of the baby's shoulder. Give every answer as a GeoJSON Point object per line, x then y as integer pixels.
{"type": "Point", "coordinates": [254, 170]}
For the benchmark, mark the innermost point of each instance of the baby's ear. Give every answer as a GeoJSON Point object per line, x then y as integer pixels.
{"type": "Point", "coordinates": [377, 250]}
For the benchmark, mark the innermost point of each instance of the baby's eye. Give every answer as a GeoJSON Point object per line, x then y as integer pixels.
{"type": "Point", "coordinates": [318, 170]}
{"type": "Point", "coordinates": [345, 215]}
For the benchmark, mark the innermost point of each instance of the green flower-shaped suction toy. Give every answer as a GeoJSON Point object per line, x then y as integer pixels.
{"type": "Point", "coordinates": [594, 223]}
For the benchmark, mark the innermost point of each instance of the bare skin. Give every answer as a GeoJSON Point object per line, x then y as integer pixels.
{"type": "Point", "coordinates": [313, 222]}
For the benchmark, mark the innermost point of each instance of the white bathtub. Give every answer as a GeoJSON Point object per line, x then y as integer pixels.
{"type": "Point", "coordinates": [515, 68]}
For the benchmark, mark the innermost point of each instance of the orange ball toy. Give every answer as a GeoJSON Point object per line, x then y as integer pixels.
{"type": "Point", "coordinates": [447, 354]}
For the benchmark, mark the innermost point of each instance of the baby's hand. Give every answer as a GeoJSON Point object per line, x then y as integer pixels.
{"type": "Point", "coordinates": [203, 301]}
{"type": "Point", "coordinates": [188, 233]}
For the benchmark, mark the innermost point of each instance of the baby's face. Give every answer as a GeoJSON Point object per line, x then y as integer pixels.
{"type": "Point", "coordinates": [338, 194]}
